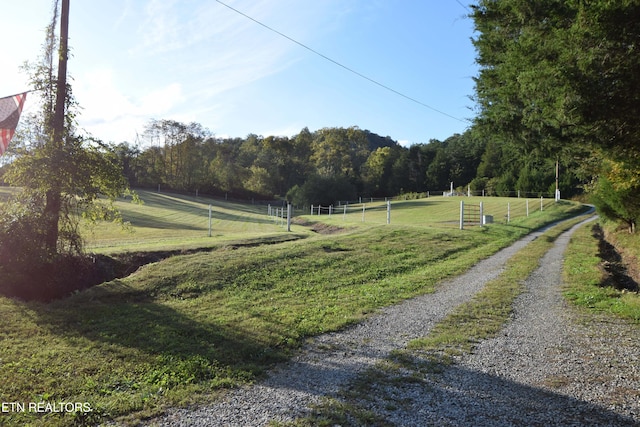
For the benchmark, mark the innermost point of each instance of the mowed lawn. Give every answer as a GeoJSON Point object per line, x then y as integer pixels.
{"type": "Point", "coordinates": [168, 221]}
{"type": "Point", "coordinates": [182, 330]}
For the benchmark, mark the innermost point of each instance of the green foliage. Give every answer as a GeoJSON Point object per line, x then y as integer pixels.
{"type": "Point", "coordinates": [559, 80]}
{"type": "Point", "coordinates": [323, 190]}
{"type": "Point", "coordinates": [615, 194]}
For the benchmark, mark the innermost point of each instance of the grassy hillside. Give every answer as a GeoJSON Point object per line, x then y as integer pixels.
{"type": "Point", "coordinates": [168, 221]}
{"type": "Point", "coordinates": [183, 329]}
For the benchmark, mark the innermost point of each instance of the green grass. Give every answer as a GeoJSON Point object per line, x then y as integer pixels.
{"type": "Point", "coordinates": [583, 277]}
{"type": "Point", "coordinates": [182, 330]}
{"type": "Point", "coordinates": [434, 211]}
{"type": "Point", "coordinates": [168, 221]}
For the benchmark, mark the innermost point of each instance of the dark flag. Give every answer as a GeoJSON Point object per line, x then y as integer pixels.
{"type": "Point", "coordinates": [10, 109]}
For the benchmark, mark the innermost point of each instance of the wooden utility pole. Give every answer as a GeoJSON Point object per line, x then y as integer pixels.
{"type": "Point", "coordinates": [53, 196]}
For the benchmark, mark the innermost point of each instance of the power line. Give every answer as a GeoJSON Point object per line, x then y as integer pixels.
{"type": "Point", "coordinates": [340, 64]}
{"type": "Point", "coordinates": [467, 9]}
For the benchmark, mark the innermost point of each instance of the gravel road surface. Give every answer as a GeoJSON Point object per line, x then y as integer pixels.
{"type": "Point", "coordinates": [549, 366]}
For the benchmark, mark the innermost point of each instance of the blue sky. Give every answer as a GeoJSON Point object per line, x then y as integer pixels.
{"type": "Point", "coordinates": [199, 61]}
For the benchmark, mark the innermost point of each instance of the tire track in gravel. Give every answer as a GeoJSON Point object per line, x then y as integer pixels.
{"type": "Point", "coordinates": [329, 362]}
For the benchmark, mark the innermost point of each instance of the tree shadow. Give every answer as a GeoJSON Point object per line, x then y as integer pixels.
{"type": "Point", "coordinates": [617, 274]}
{"type": "Point", "coordinates": [126, 317]}
{"type": "Point", "coordinates": [441, 395]}
{"type": "Point", "coordinates": [188, 207]}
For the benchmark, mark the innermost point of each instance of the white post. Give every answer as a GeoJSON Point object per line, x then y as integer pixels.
{"type": "Point", "coordinates": [209, 220]}
{"type": "Point", "coordinates": [461, 214]}
{"type": "Point", "coordinates": [363, 212]}
{"type": "Point", "coordinates": [481, 214]}
{"type": "Point", "coordinates": [527, 208]}
{"type": "Point", "coordinates": [330, 210]}
{"type": "Point", "coordinates": [451, 193]}
{"type": "Point", "coordinates": [344, 213]}
{"type": "Point", "coordinates": [288, 216]}
{"type": "Point", "coordinates": [388, 211]}
{"type": "Point", "coordinates": [269, 209]}
{"type": "Point", "coordinates": [541, 203]}
{"type": "Point", "coordinates": [468, 191]}
{"type": "Point", "coordinates": [311, 210]}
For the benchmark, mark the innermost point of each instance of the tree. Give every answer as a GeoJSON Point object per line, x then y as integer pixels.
{"type": "Point", "coordinates": [62, 174]}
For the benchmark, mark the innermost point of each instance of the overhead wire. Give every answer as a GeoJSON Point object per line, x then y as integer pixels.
{"type": "Point", "coordinates": [351, 70]}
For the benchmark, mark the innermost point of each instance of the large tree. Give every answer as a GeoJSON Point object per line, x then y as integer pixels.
{"type": "Point", "coordinates": [62, 173]}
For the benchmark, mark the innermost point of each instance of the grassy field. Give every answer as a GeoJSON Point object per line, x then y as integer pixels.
{"type": "Point", "coordinates": [166, 221]}
{"type": "Point", "coordinates": [182, 330]}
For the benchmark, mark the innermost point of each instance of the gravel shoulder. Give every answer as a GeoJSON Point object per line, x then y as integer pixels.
{"type": "Point", "coordinates": [549, 366]}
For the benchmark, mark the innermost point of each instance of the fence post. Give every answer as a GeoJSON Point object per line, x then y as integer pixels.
{"type": "Point", "coordinates": [388, 211]}
{"type": "Point", "coordinates": [311, 210]}
{"type": "Point", "coordinates": [461, 214]}
{"type": "Point", "coordinates": [288, 216]}
{"type": "Point", "coordinates": [209, 220]}
{"type": "Point", "coordinates": [481, 214]}
{"type": "Point", "coordinates": [527, 208]}
{"type": "Point", "coordinates": [344, 213]}
{"type": "Point", "coordinates": [363, 212]}
{"type": "Point", "coordinates": [541, 203]}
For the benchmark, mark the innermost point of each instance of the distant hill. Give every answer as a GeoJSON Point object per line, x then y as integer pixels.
{"type": "Point", "coordinates": [376, 141]}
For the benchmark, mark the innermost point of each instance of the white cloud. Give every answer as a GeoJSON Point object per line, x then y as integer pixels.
{"type": "Point", "coordinates": [112, 115]}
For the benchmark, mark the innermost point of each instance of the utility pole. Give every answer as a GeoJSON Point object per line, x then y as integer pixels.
{"type": "Point", "coordinates": [53, 196]}
{"type": "Point", "coordinates": [557, 176]}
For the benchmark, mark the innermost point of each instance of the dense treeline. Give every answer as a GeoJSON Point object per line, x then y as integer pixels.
{"type": "Point", "coordinates": [562, 78]}
{"type": "Point", "coordinates": [329, 164]}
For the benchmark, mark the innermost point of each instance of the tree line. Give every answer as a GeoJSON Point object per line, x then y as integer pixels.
{"type": "Point", "coordinates": [561, 79]}
{"type": "Point", "coordinates": [331, 164]}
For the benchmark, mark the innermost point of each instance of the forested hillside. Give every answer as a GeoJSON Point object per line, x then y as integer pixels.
{"type": "Point", "coordinates": [331, 164]}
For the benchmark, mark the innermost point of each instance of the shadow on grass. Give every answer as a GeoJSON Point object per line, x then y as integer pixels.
{"type": "Point", "coordinates": [173, 348]}
{"type": "Point", "coordinates": [178, 205]}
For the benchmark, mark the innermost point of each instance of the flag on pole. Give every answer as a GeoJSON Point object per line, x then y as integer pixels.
{"type": "Point", "coordinates": [10, 109]}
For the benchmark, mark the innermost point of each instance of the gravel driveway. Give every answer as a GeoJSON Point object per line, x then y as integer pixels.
{"type": "Point", "coordinates": [549, 366]}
